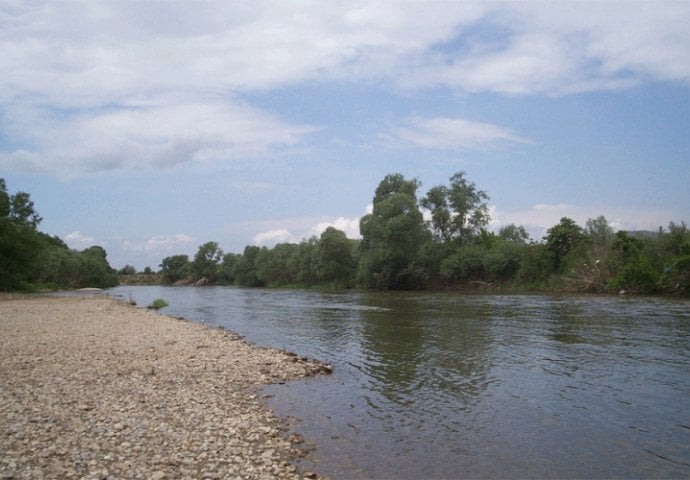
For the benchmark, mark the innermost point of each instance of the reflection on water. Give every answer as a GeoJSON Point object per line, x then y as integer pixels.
{"type": "Point", "coordinates": [447, 385]}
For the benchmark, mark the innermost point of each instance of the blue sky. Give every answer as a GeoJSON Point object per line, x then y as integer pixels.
{"type": "Point", "coordinates": [152, 127]}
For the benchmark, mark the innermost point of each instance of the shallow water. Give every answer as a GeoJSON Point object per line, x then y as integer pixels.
{"type": "Point", "coordinates": [491, 386]}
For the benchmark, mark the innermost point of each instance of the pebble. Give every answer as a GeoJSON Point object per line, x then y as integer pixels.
{"type": "Point", "coordinates": [91, 408]}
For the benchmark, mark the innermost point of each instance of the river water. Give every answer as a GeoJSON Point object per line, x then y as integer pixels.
{"type": "Point", "coordinates": [446, 385]}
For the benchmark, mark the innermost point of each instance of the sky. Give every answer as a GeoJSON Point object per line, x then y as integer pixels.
{"type": "Point", "coordinates": [152, 127]}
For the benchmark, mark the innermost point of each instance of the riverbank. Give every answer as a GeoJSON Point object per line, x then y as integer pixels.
{"type": "Point", "coordinates": [94, 388]}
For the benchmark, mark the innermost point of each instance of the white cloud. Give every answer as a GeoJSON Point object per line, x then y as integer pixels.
{"type": "Point", "coordinates": [145, 137]}
{"type": "Point", "coordinates": [166, 243]}
{"type": "Point", "coordinates": [79, 241]}
{"type": "Point", "coordinates": [158, 244]}
{"type": "Point", "coordinates": [294, 230]}
{"type": "Point", "coordinates": [557, 48]}
{"type": "Point", "coordinates": [348, 225]}
{"type": "Point", "coordinates": [273, 237]}
{"type": "Point", "coordinates": [94, 85]}
{"type": "Point", "coordinates": [539, 218]}
{"type": "Point", "coordinates": [450, 133]}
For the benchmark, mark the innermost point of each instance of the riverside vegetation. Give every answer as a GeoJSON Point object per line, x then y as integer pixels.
{"type": "Point", "coordinates": [441, 241]}
{"type": "Point", "coordinates": [438, 241]}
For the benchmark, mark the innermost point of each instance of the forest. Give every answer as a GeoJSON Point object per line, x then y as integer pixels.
{"type": "Point", "coordinates": [437, 241]}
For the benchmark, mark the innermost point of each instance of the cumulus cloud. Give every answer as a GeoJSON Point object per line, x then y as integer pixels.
{"type": "Point", "coordinates": [348, 225]}
{"type": "Point", "coordinates": [273, 237]}
{"type": "Point", "coordinates": [94, 85]}
{"type": "Point", "coordinates": [540, 217]}
{"type": "Point", "coordinates": [79, 241]}
{"type": "Point", "coordinates": [450, 133]}
{"type": "Point", "coordinates": [294, 230]}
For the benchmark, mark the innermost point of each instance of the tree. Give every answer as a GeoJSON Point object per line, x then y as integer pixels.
{"type": "Point", "coordinates": [206, 262]}
{"type": "Point", "coordinates": [392, 236]}
{"type": "Point", "coordinates": [334, 258]}
{"type": "Point", "coordinates": [22, 210]}
{"type": "Point", "coordinates": [458, 212]}
{"type": "Point", "coordinates": [174, 268]}
{"type": "Point", "coordinates": [513, 233]}
{"type": "Point", "coordinates": [599, 230]}
{"type": "Point", "coordinates": [562, 239]}
{"type": "Point", "coordinates": [278, 266]}
{"type": "Point", "coordinates": [96, 272]}
{"type": "Point", "coordinates": [227, 268]}
{"type": "Point", "coordinates": [127, 270]}
{"type": "Point", "coordinates": [19, 240]}
{"type": "Point", "coordinates": [245, 267]}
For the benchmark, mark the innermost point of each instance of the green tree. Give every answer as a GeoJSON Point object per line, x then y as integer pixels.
{"type": "Point", "coordinates": [458, 212]}
{"type": "Point", "coordinates": [22, 210]}
{"type": "Point", "coordinates": [19, 240]}
{"type": "Point", "coordinates": [334, 258]}
{"type": "Point", "coordinates": [278, 266]}
{"type": "Point", "coordinates": [392, 236]}
{"type": "Point", "coordinates": [95, 270]}
{"type": "Point", "coordinates": [206, 262]}
{"type": "Point", "coordinates": [513, 233]}
{"type": "Point", "coordinates": [599, 230]}
{"type": "Point", "coordinates": [306, 260]}
{"type": "Point", "coordinates": [245, 267]}
{"type": "Point", "coordinates": [563, 238]}
{"type": "Point", "coordinates": [227, 268]}
{"type": "Point", "coordinates": [127, 270]}
{"type": "Point", "coordinates": [175, 268]}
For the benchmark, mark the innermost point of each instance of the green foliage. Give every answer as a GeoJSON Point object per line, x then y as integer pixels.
{"type": "Point", "coordinates": [227, 268]}
{"type": "Point", "coordinates": [513, 233]}
{"type": "Point", "coordinates": [459, 211]}
{"type": "Point", "coordinates": [175, 268]}
{"type": "Point", "coordinates": [278, 265]}
{"type": "Point", "coordinates": [599, 231]}
{"type": "Point", "coordinates": [561, 239]}
{"type": "Point", "coordinates": [454, 249]}
{"type": "Point", "coordinates": [334, 263]}
{"type": "Point", "coordinates": [677, 278]}
{"type": "Point", "coordinates": [29, 257]}
{"type": "Point", "coordinates": [127, 270]}
{"type": "Point", "coordinates": [206, 262]}
{"type": "Point", "coordinates": [636, 276]}
{"type": "Point", "coordinates": [392, 236]}
{"type": "Point", "coordinates": [245, 268]}
{"type": "Point", "coordinates": [157, 304]}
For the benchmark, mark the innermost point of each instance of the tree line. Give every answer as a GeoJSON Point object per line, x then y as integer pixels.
{"type": "Point", "coordinates": [442, 241]}
{"type": "Point", "coordinates": [437, 241]}
{"type": "Point", "coordinates": [31, 259]}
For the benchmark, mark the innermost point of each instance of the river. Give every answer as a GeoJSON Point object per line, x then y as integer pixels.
{"type": "Point", "coordinates": [447, 385]}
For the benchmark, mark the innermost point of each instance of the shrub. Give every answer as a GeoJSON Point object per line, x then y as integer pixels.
{"type": "Point", "coordinates": [158, 303]}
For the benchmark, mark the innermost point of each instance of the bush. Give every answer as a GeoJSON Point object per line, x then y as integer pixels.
{"type": "Point", "coordinates": [158, 303]}
{"type": "Point", "coordinates": [637, 276]}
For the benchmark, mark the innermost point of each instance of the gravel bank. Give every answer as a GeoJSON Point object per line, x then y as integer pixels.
{"type": "Point", "coordinates": [91, 388]}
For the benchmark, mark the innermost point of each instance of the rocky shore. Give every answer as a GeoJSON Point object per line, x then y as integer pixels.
{"type": "Point", "coordinates": [92, 388]}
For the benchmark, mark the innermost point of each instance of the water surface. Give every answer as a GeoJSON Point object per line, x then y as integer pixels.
{"type": "Point", "coordinates": [489, 386]}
